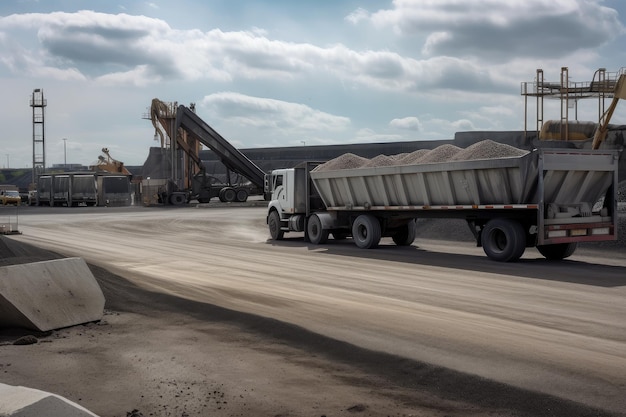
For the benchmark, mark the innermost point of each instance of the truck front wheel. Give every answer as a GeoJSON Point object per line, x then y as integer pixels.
{"type": "Point", "coordinates": [317, 234]}
{"type": "Point", "coordinates": [273, 222]}
{"type": "Point", "coordinates": [366, 231]}
{"type": "Point", "coordinates": [558, 251]}
{"type": "Point", "coordinates": [178, 199]}
{"type": "Point", "coordinates": [503, 240]}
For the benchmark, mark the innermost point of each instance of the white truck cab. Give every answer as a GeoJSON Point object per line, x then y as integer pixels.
{"type": "Point", "coordinates": [293, 200]}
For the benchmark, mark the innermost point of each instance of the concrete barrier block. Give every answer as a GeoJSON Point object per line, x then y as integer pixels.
{"type": "Point", "coordinates": [49, 295]}
{"type": "Point", "coordinates": [29, 402]}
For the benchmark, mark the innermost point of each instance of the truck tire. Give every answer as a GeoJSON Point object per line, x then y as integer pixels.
{"type": "Point", "coordinates": [503, 240]}
{"type": "Point", "coordinates": [273, 222]}
{"type": "Point", "coordinates": [558, 251]}
{"type": "Point", "coordinates": [227, 195]}
{"type": "Point", "coordinates": [405, 235]}
{"type": "Point", "coordinates": [366, 231]}
{"type": "Point", "coordinates": [177, 199]}
{"type": "Point", "coordinates": [316, 233]}
{"type": "Point", "coordinates": [242, 195]}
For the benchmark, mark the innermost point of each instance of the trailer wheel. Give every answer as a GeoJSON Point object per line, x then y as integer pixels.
{"type": "Point", "coordinates": [558, 251]}
{"type": "Point", "coordinates": [273, 222]}
{"type": "Point", "coordinates": [503, 240]}
{"type": "Point", "coordinates": [366, 231]}
{"type": "Point", "coordinates": [316, 233]}
{"type": "Point", "coordinates": [242, 195]}
{"type": "Point", "coordinates": [405, 235]}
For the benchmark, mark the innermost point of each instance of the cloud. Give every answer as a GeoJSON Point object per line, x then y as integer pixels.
{"type": "Point", "coordinates": [503, 29]}
{"type": "Point", "coordinates": [138, 50]}
{"type": "Point", "coordinates": [357, 16]}
{"type": "Point", "coordinates": [407, 123]}
{"type": "Point", "coordinates": [270, 114]}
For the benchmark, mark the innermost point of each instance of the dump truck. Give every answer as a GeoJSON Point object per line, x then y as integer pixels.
{"type": "Point", "coordinates": [548, 198]}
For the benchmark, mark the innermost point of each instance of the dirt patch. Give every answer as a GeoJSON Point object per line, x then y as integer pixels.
{"type": "Point", "coordinates": [155, 354]}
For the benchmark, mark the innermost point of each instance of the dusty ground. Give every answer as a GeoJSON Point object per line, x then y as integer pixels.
{"type": "Point", "coordinates": [155, 354]}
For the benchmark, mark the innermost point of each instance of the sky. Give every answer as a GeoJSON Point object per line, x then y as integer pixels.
{"type": "Point", "coordinates": [267, 73]}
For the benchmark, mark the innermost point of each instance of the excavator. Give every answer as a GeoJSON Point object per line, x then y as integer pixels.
{"type": "Point", "coordinates": [106, 163]}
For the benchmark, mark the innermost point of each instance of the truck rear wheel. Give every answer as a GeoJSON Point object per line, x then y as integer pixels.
{"type": "Point", "coordinates": [366, 231]}
{"type": "Point", "coordinates": [242, 195]}
{"type": "Point", "coordinates": [405, 234]}
{"type": "Point", "coordinates": [227, 195]}
{"type": "Point", "coordinates": [316, 233]}
{"type": "Point", "coordinates": [273, 222]}
{"type": "Point", "coordinates": [558, 251]}
{"type": "Point", "coordinates": [503, 240]}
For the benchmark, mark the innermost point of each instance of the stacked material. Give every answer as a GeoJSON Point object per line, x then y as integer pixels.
{"type": "Point", "coordinates": [345, 161]}
{"type": "Point", "coordinates": [486, 149]}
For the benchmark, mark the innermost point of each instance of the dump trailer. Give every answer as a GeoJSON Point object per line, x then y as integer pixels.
{"type": "Point", "coordinates": [548, 198]}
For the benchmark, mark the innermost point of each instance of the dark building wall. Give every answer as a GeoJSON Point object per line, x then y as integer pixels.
{"type": "Point", "coordinates": [286, 157]}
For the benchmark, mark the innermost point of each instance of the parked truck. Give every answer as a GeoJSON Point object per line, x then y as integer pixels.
{"type": "Point", "coordinates": [548, 198]}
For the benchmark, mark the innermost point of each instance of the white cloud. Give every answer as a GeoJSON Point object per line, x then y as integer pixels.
{"type": "Point", "coordinates": [139, 76]}
{"type": "Point", "coordinates": [115, 47]}
{"type": "Point", "coordinates": [503, 29]}
{"type": "Point", "coordinates": [357, 16]}
{"type": "Point", "coordinates": [407, 123]}
{"type": "Point", "coordinates": [270, 113]}
{"type": "Point", "coordinates": [368, 135]}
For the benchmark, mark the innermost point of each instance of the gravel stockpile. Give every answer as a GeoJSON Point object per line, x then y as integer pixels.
{"type": "Point", "coordinates": [381, 161]}
{"type": "Point", "coordinates": [413, 157]}
{"type": "Point", "coordinates": [441, 153]}
{"type": "Point", "coordinates": [486, 149]}
{"type": "Point", "coordinates": [345, 161]}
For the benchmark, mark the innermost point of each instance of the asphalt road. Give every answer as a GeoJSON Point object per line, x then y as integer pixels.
{"type": "Point", "coordinates": [553, 327]}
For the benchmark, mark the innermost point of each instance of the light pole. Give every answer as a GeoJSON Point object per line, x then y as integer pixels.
{"type": "Point", "coordinates": [64, 153]}
{"type": "Point", "coordinates": [8, 161]}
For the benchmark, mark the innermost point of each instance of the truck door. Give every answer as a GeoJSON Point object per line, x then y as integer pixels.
{"type": "Point", "coordinates": [282, 186]}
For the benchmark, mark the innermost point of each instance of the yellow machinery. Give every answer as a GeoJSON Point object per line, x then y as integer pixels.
{"type": "Point", "coordinates": [620, 93]}
{"type": "Point", "coordinates": [107, 163]}
{"type": "Point", "coordinates": [604, 85]}
{"type": "Point", "coordinates": [163, 117]}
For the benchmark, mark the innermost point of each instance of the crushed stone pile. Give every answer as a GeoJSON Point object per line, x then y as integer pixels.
{"type": "Point", "coordinates": [381, 161]}
{"type": "Point", "coordinates": [345, 161]}
{"type": "Point", "coordinates": [414, 157]}
{"type": "Point", "coordinates": [441, 153]}
{"type": "Point", "coordinates": [486, 149]}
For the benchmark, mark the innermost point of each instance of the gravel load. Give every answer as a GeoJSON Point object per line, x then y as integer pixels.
{"type": "Point", "coordinates": [345, 161]}
{"type": "Point", "coordinates": [381, 161]}
{"type": "Point", "coordinates": [413, 157]}
{"type": "Point", "coordinates": [486, 149]}
{"type": "Point", "coordinates": [441, 153]}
